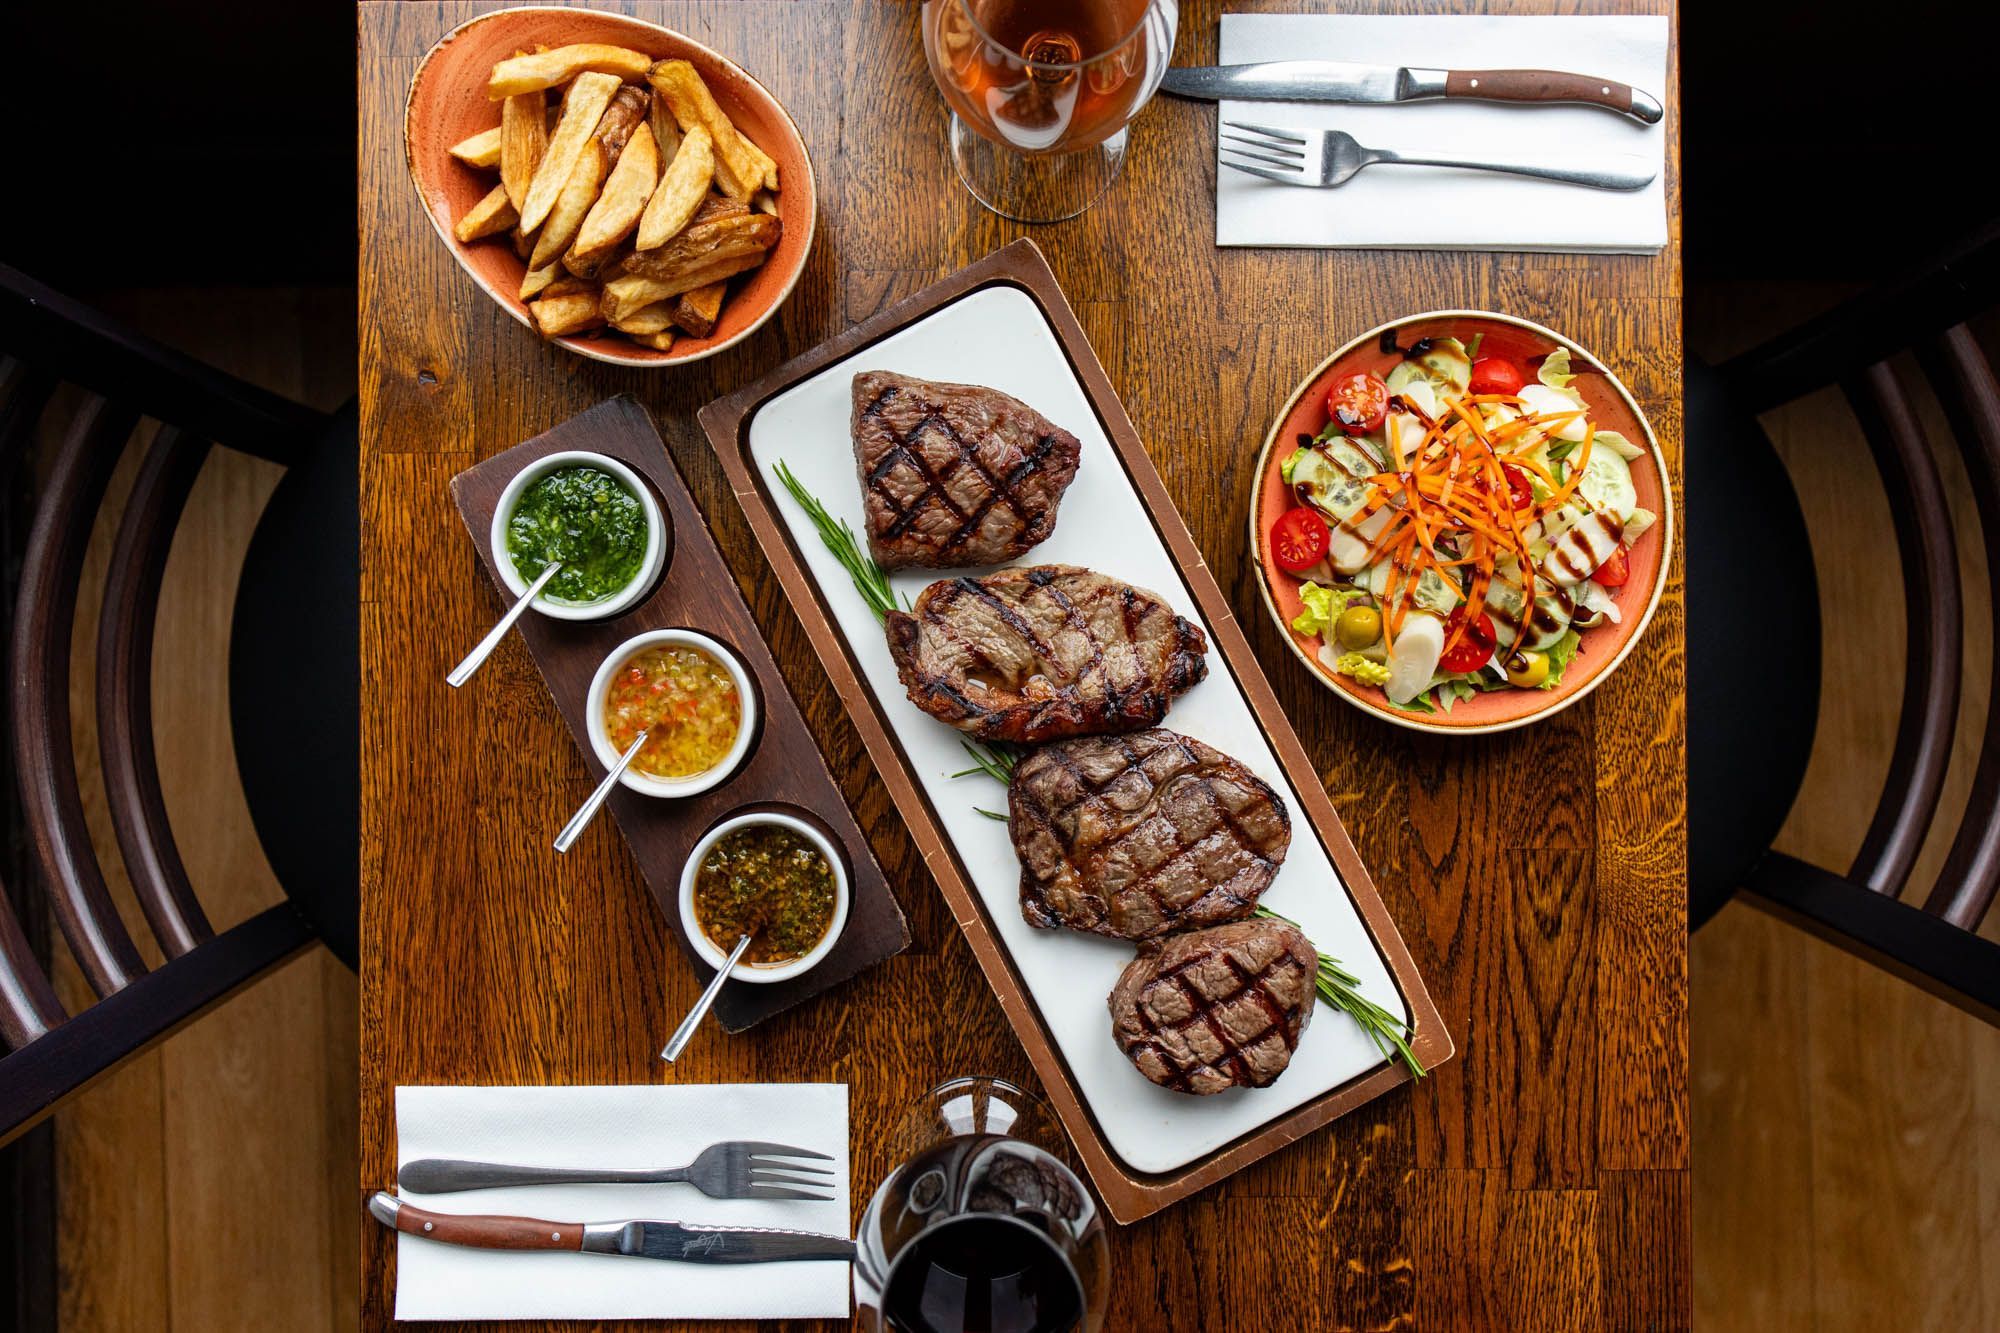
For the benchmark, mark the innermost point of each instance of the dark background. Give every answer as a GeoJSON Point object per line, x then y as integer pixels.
{"type": "Point", "coordinates": [175, 144]}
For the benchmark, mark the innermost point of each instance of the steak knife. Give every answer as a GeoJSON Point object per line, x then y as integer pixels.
{"type": "Point", "coordinates": [635, 1240]}
{"type": "Point", "coordinates": [1337, 81]}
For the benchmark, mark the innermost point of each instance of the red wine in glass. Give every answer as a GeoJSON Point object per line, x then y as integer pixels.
{"type": "Point", "coordinates": [983, 1274]}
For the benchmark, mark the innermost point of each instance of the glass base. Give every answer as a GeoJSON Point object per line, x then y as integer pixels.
{"type": "Point", "coordinates": [1034, 189]}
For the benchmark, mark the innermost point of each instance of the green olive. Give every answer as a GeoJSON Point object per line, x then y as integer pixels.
{"type": "Point", "coordinates": [1358, 627]}
{"type": "Point", "coordinates": [1527, 670]}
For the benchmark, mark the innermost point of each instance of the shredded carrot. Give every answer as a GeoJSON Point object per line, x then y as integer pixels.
{"type": "Point", "coordinates": [1453, 506]}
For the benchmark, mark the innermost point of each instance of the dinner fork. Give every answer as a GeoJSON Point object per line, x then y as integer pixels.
{"type": "Point", "coordinates": [741, 1169]}
{"type": "Point", "coordinates": [1321, 158]}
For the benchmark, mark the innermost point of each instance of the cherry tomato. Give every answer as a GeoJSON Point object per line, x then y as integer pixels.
{"type": "Point", "coordinates": [1518, 488]}
{"type": "Point", "coordinates": [1614, 571]}
{"type": "Point", "coordinates": [1474, 646]}
{"type": "Point", "coordinates": [1358, 402]}
{"type": "Point", "coordinates": [1496, 374]}
{"type": "Point", "coordinates": [1299, 539]}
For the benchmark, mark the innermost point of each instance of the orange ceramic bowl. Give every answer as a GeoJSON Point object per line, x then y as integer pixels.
{"type": "Point", "coordinates": [1612, 408]}
{"type": "Point", "coordinates": [448, 103]}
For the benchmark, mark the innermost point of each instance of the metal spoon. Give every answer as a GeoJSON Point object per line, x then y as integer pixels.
{"type": "Point", "coordinates": [685, 1032]}
{"type": "Point", "coordinates": [463, 671]}
{"type": "Point", "coordinates": [580, 821]}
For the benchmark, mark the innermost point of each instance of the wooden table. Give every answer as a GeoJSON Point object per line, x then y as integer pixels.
{"type": "Point", "coordinates": [1539, 1180]}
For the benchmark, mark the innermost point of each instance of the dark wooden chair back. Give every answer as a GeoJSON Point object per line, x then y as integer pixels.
{"type": "Point", "coordinates": [118, 378]}
{"type": "Point", "coordinates": [1856, 346]}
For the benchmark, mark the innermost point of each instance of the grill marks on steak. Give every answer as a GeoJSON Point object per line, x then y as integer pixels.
{"type": "Point", "coordinates": [1044, 652]}
{"type": "Point", "coordinates": [955, 474]}
{"type": "Point", "coordinates": [1217, 1008]}
{"type": "Point", "coordinates": [1134, 836]}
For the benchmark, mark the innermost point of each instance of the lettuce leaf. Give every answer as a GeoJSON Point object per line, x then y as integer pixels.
{"type": "Point", "coordinates": [1560, 654]}
{"type": "Point", "coordinates": [1291, 464]}
{"type": "Point", "coordinates": [1452, 691]}
{"type": "Point", "coordinates": [1555, 369]}
{"type": "Point", "coordinates": [1322, 607]}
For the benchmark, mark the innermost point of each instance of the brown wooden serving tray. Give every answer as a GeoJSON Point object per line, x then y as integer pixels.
{"type": "Point", "coordinates": [1127, 1194]}
{"type": "Point", "coordinates": [784, 768]}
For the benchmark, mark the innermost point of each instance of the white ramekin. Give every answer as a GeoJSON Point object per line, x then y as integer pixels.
{"type": "Point", "coordinates": [649, 566]}
{"type": "Point", "coordinates": [609, 755]}
{"type": "Point", "coordinates": [715, 957]}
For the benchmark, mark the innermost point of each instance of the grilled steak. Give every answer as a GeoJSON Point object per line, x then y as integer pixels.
{"type": "Point", "coordinates": [1138, 835]}
{"type": "Point", "coordinates": [1043, 652]}
{"type": "Point", "coordinates": [955, 474]}
{"type": "Point", "coordinates": [1216, 1008]}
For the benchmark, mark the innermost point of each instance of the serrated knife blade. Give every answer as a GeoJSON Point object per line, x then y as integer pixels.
{"type": "Point", "coordinates": [675, 1241]}
{"type": "Point", "coordinates": [1340, 81]}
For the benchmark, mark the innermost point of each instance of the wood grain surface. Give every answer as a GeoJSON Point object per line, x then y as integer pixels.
{"type": "Point", "coordinates": [1538, 1180]}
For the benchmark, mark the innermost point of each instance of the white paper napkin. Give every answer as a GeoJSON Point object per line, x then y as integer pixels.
{"type": "Point", "coordinates": [1430, 208]}
{"type": "Point", "coordinates": [618, 1127]}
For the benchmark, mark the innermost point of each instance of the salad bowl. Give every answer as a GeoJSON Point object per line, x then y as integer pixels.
{"type": "Point", "coordinates": [1595, 652]}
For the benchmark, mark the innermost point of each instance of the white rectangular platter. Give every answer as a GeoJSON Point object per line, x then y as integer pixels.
{"type": "Point", "coordinates": [999, 337]}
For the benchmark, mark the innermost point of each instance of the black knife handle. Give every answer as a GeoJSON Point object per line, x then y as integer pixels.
{"type": "Point", "coordinates": [448, 1175]}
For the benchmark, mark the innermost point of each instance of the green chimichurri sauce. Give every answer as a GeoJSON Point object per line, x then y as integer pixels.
{"type": "Point", "coordinates": [589, 520]}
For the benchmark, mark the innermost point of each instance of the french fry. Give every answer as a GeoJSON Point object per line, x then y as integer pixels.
{"type": "Point", "coordinates": [701, 243]}
{"type": "Point", "coordinates": [631, 183]}
{"type": "Point", "coordinates": [740, 168]}
{"type": "Point", "coordinates": [539, 280]}
{"type": "Point", "coordinates": [602, 264]}
{"type": "Point", "coordinates": [578, 194]}
{"type": "Point", "coordinates": [765, 202]}
{"type": "Point", "coordinates": [682, 188]}
{"type": "Point", "coordinates": [719, 206]}
{"type": "Point", "coordinates": [621, 119]}
{"type": "Point", "coordinates": [524, 244]}
{"type": "Point", "coordinates": [489, 217]}
{"type": "Point", "coordinates": [633, 292]}
{"type": "Point", "coordinates": [647, 319]}
{"type": "Point", "coordinates": [659, 342]}
{"type": "Point", "coordinates": [546, 69]}
{"type": "Point", "coordinates": [587, 177]}
{"type": "Point", "coordinates": [769, 179]}
{"type": "Point", "coordinates": [481, 150]}
{"type": "Point", "coordinates": [666, 130]}
{"type": "Point", "coordinates": [582, 109]}
{"type": "Point", "coordinates": [556, 316]}
{"type": "Point", "coordinates": [567, 285]}
{"type": "Point", "coordinates": [524, 137]}
{"type": "Point", "coordinates": [696, 311]}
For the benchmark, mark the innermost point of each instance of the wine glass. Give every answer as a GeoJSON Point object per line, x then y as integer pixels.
{"type": "Point", "coordinates": [1041, 92]}
{"type": "Point", "coordinates": [984, 1228]}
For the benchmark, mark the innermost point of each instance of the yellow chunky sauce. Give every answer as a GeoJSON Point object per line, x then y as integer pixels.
{"type": "Point", "coordinates": [684, 700]}
{"type": "Point", "coordinates": [767, 882]}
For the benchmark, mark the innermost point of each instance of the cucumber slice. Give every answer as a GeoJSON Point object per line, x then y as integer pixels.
{"type": "Point", "coordinates": [1353, 458]}
{"type": "Point", "coordinates": [1445, 359]}
{"type": "Point", "coordinates": [1404, 375]}
{"type": "Point", "coordinates": [1607, 484]}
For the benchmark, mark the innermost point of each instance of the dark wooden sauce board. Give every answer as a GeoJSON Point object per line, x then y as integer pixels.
{"type": "Point", "coordinates": [784, 768]}
{"type": "Point", "coordinates": [1128, 1194]}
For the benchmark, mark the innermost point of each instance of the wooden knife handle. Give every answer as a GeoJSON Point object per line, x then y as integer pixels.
{"type": "Point", "coordinates": [488, 1232]}
{"type": "Point", "coordinates": [1549, 85]}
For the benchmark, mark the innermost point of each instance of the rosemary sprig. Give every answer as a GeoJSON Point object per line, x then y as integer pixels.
{"type": "Point", "coordinates": [990, 814]}
{"type": "Point", "coordinates": [996, 760]}
{"type": "Point", "coordinates": [1342, 989]}
{"type": "Point", "coordinates": [869, 579]}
